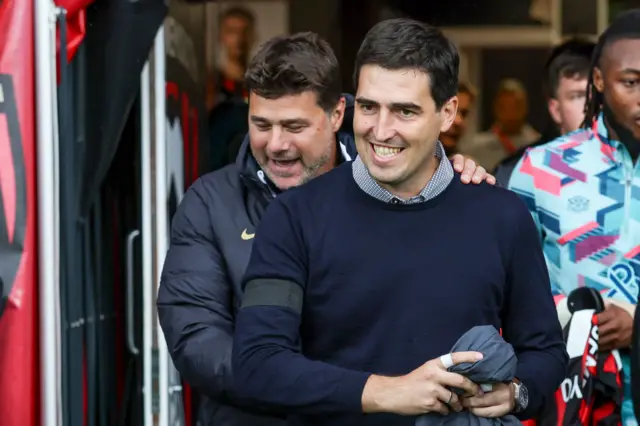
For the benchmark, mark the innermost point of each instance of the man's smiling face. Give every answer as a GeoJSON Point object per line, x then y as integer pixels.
{"type": "Point", "coordinates": [396, 125]}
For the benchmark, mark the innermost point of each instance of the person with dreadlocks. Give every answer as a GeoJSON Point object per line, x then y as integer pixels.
{"type": "Point", "coordinates": [583, 190]}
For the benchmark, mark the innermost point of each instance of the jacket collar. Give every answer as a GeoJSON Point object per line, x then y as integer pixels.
{"type": "Point", "coordinates": [600, 128]}
{"type": "Point", "coordinates": [608, 146]}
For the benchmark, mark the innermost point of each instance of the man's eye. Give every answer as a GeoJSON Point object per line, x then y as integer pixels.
{"type": "Point", "coordinates": [295, 129]}
{"type": "Point", "coordinates": [405, 113]}
{"type": "Point", "coordinates": [630, 83]}
{"type": "Point", "coordinates": [367, 109]}
{"type": "Point", "coordinates": [263, 127]}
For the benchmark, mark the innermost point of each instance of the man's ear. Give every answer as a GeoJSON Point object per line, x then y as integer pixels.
{"type": "Point", "coordinates": [337, 114]}
{"type": "Point", "coordinates": [554, 110]}
{"type": "Point", "coordinates": [448, 113]}
{"type": "Point", "coordinates": [598, 79]}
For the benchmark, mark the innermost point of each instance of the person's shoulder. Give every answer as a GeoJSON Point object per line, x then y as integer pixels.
{"type": "Point", "coordinates": [220, 185]}
{"type": "Point", "coordinates": [575, 140]}
{"type": "Point", "coordinates": [493, 200]}
{"type": "Point", "coordinates": [541, 163]}
{"type": "Point", "coordinates": [322, 185]}
{"type": "Point", "coordinates": [316, 195]}
{"type": "Point", "coordinates": [317, 186]}
{"type": "Point", "coordinates": [481, 191]}
{"type": "Point", "coordinates": [510, 161]}
{"type": "Point", "coordinates": [211, 198]}
{"type": "Point", "coordinates": [305, 208]}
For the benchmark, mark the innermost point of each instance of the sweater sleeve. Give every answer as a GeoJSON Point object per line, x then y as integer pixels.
{"type": "Point", "coordinates": [269, 368]}
{"type": "Point", "coordinates": [530, 322]}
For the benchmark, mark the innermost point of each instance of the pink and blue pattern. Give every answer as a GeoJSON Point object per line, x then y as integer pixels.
{"type": "Point", "coordinates": [583, 191]}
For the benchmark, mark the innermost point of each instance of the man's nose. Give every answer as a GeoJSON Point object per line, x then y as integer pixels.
{"type": "Point", "coordinates": [278, 140]}
{"type": "Point", "coordinates": [383, 129]}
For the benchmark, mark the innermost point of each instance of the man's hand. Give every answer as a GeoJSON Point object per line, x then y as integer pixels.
{"type": "Point", "coordinates": [615, 327]}
{"type": "Point", "coordinates": [470, 172]}
{"type": "Point", "coordinates": [497, 403]}
{"type": "Point", "coordinates": [422, 391]}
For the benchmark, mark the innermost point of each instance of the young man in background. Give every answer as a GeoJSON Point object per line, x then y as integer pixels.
{"type": "Point", "coordinates": [566, 73]}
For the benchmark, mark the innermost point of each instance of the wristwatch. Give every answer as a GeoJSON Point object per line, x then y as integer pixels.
{"type": "Point", "coordinates": [521, 396]}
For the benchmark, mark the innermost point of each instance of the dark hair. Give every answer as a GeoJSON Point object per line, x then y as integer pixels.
{"type": "Point", "coordinates": [401, 43]}
{"type": "Point", "coordinates": [624, 26]}
{"type": "Point", "coordinates": [238, 12]}
{"type": "Point", "coordinates": [571, 59]}
{"type": "Point", "coordinates": [294, 64]}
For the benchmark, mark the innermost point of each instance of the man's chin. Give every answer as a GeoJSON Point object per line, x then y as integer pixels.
{"type": "Point", "coordinates": [286, 182]}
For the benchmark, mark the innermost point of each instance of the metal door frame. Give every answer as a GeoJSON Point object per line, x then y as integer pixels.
{"type": "Point", "coordinates": [45, 13]}
{"type": "Point", "coordinates": [155, 232]}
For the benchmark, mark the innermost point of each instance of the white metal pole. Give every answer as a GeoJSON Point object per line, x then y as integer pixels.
{"type": "Point", "coordinates": [161, 213]}
{"type": "Point", "coordinates": [147, 246]}
{"type": "Point", "coordinates": [47, 177]}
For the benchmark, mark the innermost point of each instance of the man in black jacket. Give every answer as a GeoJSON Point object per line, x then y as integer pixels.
{"type": "Point", "coordinates": [296, 112]}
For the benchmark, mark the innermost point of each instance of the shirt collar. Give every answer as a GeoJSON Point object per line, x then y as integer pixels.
{"type": "Point", "coordinates": [438, 182]}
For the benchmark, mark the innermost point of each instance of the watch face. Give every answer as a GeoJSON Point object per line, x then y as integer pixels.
{"type": "Point", "coordinates": [523, 397]}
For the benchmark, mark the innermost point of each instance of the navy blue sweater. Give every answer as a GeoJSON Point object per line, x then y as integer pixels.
{"type": "Point", "coordinates": [386, 288]}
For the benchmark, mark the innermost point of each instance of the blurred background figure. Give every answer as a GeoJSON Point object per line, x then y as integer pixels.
{"type": "Point", "coordinates": [236, 37]}
{"type": "Point", "coordinates": [228, 98]}
{"type": "Point", "coordinates": [466, 100]}
{"type": "Point", "coordinates": [510, 130]}
{"type": "Point", "coordinates": [565, 84]}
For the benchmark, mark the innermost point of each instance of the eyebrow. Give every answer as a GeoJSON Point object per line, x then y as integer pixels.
{"type": "Point", "coordinates": [630, 71]}
{"type": "Point", "coordinates": [288, 122]}
{"type": "Point", "coordinates": [392, 105]}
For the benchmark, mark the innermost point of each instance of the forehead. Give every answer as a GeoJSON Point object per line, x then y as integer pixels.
{"type": "Point", "coordinates": [393, 86]}
{"type": "Point", "coordinates": [622, 54]}
{"type": "Point", "coordinates": [289, 107]}
{"type": "Point", "coordinates": [511, 96]}
{"type": "Point", "coordinates": [235, 21]}
{"type": "Point", "coordinates": [571, 84]}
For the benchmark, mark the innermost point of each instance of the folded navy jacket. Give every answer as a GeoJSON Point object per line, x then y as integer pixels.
{"type": "Point", "coordinates": [497, 366]}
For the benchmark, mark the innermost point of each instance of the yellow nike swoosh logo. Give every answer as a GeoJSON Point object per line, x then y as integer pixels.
{"type": "Point", "coordinates": [246, 236]}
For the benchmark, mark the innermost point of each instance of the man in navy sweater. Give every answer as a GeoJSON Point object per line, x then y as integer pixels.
{"type": "Point", "coordinates": [360, 280]}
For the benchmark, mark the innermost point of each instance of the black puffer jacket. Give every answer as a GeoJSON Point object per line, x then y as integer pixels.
{"type": "Point", "coordinates": [200, 294]}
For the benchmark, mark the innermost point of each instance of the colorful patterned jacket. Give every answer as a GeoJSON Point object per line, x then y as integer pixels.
{"type": "Point", "coordinates": [583, 192]}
